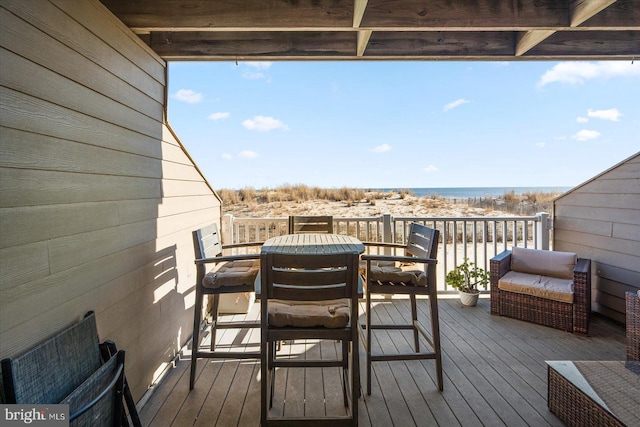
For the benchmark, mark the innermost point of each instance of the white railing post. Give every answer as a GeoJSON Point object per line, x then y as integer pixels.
{"type": "Point", "coordinates": [387, 229]}
{"type": "Point", "coordinates": [543, 225]}
{"type": "Point", "coordinates": [227, 229]}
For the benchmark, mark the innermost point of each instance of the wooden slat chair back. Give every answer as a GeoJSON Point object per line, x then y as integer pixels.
{"type": "Point", "coordinates": [317, 298]}
{"type": "Point", "coordinates": [413, 273]}
{"type": "Point", "coordinates": [310, 224]}
{"type": "Point", "coordinates": [230, 274]}
{"type": "Point", "coordinates": [67, 369]}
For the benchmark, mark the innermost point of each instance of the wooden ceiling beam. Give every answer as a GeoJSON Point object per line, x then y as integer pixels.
{"type": "Point", "coordinates": [363, 41]}
{"type": "Point", "coordinates": [384, 29]}
{"type": "Point", "coordinates": [147, 30]}
{"type": "Point", "coordinates": [582, 10]}
{"type": "Point", "coordinates": [359, 7]}
{"type": "Point", "coordinates": [528, 40]}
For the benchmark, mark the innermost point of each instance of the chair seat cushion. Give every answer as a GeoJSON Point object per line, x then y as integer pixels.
{"type": "Point", "coordinates": [362, 267]}
{"type": "Point", "coordinates": [232, 273]}
{"type": "Point", "coordinates": [398, 272]}
{"type": "Point", "coordinates": [540, 286]}
{"type": "Point", "coordinates": [302, 314]}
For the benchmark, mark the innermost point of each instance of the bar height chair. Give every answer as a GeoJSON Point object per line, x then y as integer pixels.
{"type": "Point", "coordinates": [230, 274]}
{"type": "Point", "coordinates": [310, 296]}
{"type": "Point", "coordinates": [412, 274]}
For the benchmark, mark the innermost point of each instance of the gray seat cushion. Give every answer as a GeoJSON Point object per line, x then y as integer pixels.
{"type": "Point", "coordinates": [389, 271]}
{"type": "Point", "coordinates": [302, 314]}
{"type": "Point", "coordinates": [232, 273]}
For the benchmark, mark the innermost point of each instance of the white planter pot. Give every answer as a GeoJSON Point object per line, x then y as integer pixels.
{"type": "Point", "coordinates": [470, 300]}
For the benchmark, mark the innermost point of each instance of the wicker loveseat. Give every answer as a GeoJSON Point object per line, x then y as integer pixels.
{"type": "Point", "coordinates": [546, 287]}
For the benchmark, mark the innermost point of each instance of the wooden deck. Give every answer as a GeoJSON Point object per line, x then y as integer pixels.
{"type": "Point", "coordinates": [494, 374]}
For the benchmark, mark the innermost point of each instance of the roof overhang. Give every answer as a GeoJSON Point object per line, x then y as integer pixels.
{"type": "Point", "coordinates": [385, 29]}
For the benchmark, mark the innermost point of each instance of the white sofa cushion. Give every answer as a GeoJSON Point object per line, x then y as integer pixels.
{"type": "Point", "coordinates": [545, 263]}
{"type": "Point", "coordinates": [537, 285]}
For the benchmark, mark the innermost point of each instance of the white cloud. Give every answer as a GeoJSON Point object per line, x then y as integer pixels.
{"type": "Point", "coordinates": [582, 119]}
{"type": "Point", "coordinates": [256, 70]}
{"type": "Point", "coordinates": [574, 72]}
{"type": "Point", "coordinates": [218, 116]}
{"type": "Point", "coordinates": [263, 124]}
{"type": "Point", "coordinates": [382, 148]}
{"type": "Point", "coordinates": [430, 168]}
{"type": "Point", "coordinates": [541, 144]}
{"type": "Point", "coordinates": [612, 114]}
{"type": "Point", "coordinates": [253, 75]}
{"type": "Point", "coordinates": [189, 96]}
{"type": "Point", "coordinates": [259, 65]}
{"type": "Point", "coordinates": [225, 156]}
{"type": "Point", "coordinates": [586, 135]}
{"type": "Point", "coordinates": [454, 104]}
{"type": "Point", "coordinates": [247, 154]}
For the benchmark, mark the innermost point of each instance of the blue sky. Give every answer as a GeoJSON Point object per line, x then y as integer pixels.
{"type": "Point", "coordinates": [405, 124]}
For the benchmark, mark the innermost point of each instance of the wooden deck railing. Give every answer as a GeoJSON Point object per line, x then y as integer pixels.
{"type": "Point", "coordinates": [476, 238]}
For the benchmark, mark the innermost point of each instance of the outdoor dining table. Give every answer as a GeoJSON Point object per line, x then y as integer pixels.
{"type": "Point", "coordinates": [310, 244]}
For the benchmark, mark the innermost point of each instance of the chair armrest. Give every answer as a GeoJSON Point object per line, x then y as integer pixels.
{"type": "Point", "coordinates": [242, 245]}
{"type": "Point", "coordinates": [385, 245]}
{"type": "Point", "coordinates": [582, 275]}
{"type": "Point", "coordinates": [582, 295]}
{"type": "Point", "coordinates": [499, 266]}
{"type": "Point", "coordinates": [105, 383]}
{"type": "Point", "coordinates": [411, 259]}
{"type": "Point", "coordinates": [582, 266]}
{"type": "Point", "coordinates": [226, 258]}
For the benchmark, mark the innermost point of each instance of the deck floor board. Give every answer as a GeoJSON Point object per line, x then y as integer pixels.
{"type": "Point", "coordinates": [494, 374]}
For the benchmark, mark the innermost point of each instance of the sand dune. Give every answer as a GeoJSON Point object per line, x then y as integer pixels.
{"type": "Point", "coordinates": [395, 205]}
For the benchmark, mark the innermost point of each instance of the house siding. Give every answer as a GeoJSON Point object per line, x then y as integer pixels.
{"type": "Point", "coordinates": [600, 220]}
{"type": "Point", "coordinates": [97, 195]}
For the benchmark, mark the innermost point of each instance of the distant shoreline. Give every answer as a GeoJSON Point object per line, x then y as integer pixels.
{"type": "Point", "coordinates": [469, 192]}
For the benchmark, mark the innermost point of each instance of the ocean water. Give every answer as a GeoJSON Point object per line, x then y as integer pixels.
{"type": "Point", "coordinates": [466, 192]}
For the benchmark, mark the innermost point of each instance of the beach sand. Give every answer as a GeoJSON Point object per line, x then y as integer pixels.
{"type": "Point", "coordinates": [395, 205]}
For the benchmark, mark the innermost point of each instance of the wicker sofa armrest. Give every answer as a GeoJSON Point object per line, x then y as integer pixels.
{"type": "Point", "coordinates": [633, 325]}
{"type": "Point", "coordinates": [583, 266]}
{"type": "Point", "coordinates": [582, 295]}
{"type": "Point", "coordinates": [499, 265]}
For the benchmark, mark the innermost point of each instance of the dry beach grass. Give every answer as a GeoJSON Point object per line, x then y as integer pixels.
{"type": "Point", "coordinates": [347, 202]}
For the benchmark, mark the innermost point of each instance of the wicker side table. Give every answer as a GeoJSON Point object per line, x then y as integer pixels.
{"type": "Point", "coordinates": [633, 326]}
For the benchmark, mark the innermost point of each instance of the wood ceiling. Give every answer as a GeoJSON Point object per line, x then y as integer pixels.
{"type": "Point", "coordinates": [385, 29]}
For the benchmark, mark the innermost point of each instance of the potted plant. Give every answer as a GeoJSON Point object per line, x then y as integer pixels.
{"type": "Point", "coordinates": [466, 278]}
